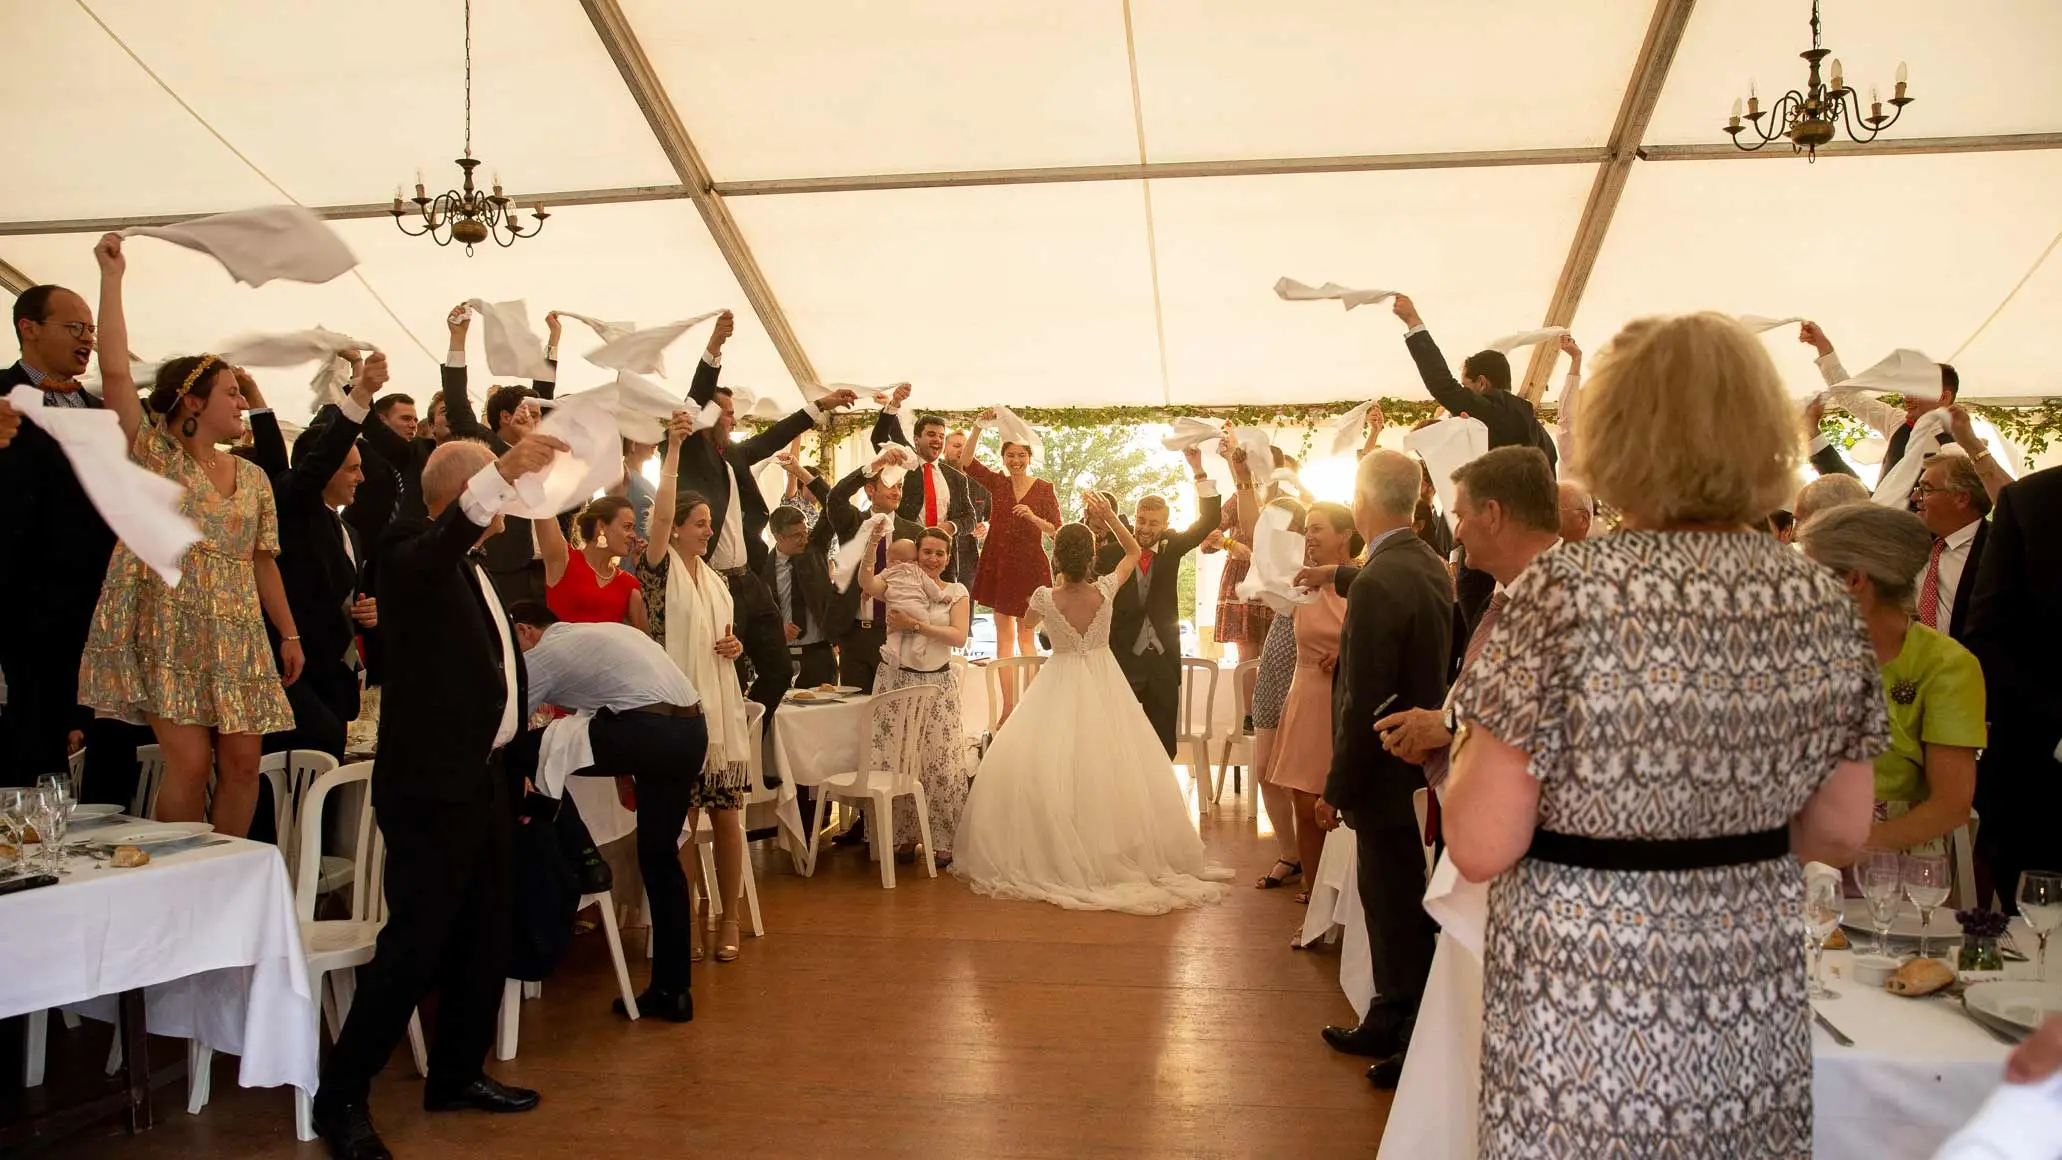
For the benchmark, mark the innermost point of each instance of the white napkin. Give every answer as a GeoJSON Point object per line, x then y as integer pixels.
{"type": "Point", "coordinates": [1278, 554]}
{"type": "Point", "coordinates": [1438, 1097]}
{"type": "Point", "coordinates": [1895, 488]}
{"type": "Point", "coordinates": [1015, 430]}
{"type": "Point", "coordinates": [1760, 324]}
{"type": "Point", "coordinates": [141, 506]}
{"type": "Point", "coordinates": [1445, 446]}
{"type": "Point", "coordinates": [852, 551]}
{"type": "Point", "coordinates": [610, 332]}
{"type": "Point", "coordinates": [2020, 1121]}
{"type": "Point", "coordinates": [899, 455]}
{"type": "Point", "coordinates": [1192, 433]}
{"type": "Point", "coordinates": [565, 749]}
{"type": "Point", "coordinates": [641, 407]}
{"type": "Point", "coordinates": [1259, 449]}
{"type": "Point", "coordinates": [513, 349]}
{"type": "Point", "coordinates": [594, 463]}
{"type": "Point", "coordinates": [1290, 290]}
{"type": "Point", "coordinates": [301, 346]}
{"type": "Point", "coordinates": [258, 245]}
{"type": "Point", "coordinates": [1903, 371]}
{"type": "Point", "coordinates": [642, 351]}
{"type": "Point", "coordinates": [1511, 342]}
{"type": "Point", "coordinates": [1348, 429]}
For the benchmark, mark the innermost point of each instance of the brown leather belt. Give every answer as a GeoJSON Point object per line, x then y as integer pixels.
{"type": "Point", "coordinates": [664, 710]}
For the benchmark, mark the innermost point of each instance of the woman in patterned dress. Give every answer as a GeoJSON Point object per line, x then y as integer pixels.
{"type": "Point", "coordinates": [1270, 692]}
{"type": "Point", "coordinates": [1025, 510]}
{"type": "Point", "coordinates": [1660, 726]}
{"type": "Point", "coordinates": [937, 719]}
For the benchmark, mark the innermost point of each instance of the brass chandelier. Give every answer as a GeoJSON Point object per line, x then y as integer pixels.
{"type": "Point", "coordinates": [1811, 118]}
{"type": "Point", "coordinates": [466, 215]}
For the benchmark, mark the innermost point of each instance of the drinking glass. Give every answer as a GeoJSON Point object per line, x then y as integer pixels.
{"type": "Point", "coordinates": [58, 786]}
{"type": "Point", "coordinates": [1821, 919]}
{"type": "Point", "coordinates": [48, 813]}
{"type": "Point", "coordinates": [1926, 884]}
{"type": "Point", "coordinates": [1882, 882]}
{"type": "Point", "coordinates": [2040, 904]}
{"type": "Point", "coordinates": [12, 823]}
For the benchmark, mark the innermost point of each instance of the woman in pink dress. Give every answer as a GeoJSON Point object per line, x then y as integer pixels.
{"type": "Point", "coordinates": [1302, 756]}
{"type": "Point", "coordinates": [1024, 511]}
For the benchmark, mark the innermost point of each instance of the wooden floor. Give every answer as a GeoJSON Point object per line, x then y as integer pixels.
{"type": "Point", "coordinates": [926, 1021]}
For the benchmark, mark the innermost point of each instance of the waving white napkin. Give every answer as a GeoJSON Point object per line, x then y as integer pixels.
{"type": "Point", "coordinates": [1192, 433]}
{"type": "Point", "coordinates": [1445, 446]}
{"type": "Point", "coordinates": [1511, 342]}
{"type": "Point", "coordinates": [1761, 324]}
{"type": "Point", "coordinates": [300, 346]}
{"type": "Point", "coordinates": [513, 349]}
{"type": "Point", "coordinates": [141, 506]}
{"type": "Point", "coordinates": [643, 351]}
{"type": "Point", "coordinates": [1259, 449]}
{"type": "Point", "coordinates": [846, 567]}
{"type": "Point", "coordinates": [1278, 554]}
{"type": "Point", "coordinates": [1014, 430]}
{"type": "Point", "coordinates": [1348, 429]}
{"type": "Point", "coordinates": [611, 331]}
{"type": "Point", "coordinates": [1290, 290]}
{"type": "Point", "coordinates": [1903, 371]}
{"type": "Point", "coordinates": [594, 463]}
{"type": "Point", "coordinates": [1895, 488]}
{"type": "Point", "coordinates": [901, 460]}
{"type": "Point", "coordinates": [258, 245]}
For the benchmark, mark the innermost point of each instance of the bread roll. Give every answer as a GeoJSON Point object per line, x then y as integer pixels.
{"type": "Point", "coordinates": [129, 857]}
{"type": "Point", "coordinates": [1919, 977]}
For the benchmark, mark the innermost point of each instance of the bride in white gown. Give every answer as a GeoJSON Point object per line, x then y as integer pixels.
{"type": "Point", "coordinates": [1076, 803]}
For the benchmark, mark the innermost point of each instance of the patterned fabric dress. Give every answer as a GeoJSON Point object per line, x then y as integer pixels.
{"type": "Point", "coordinates": [1664, 685]}
{"type": "Point", "coordinates": [196, 654]}
{"type": "Point", "coordinates": [942, 736]}
{"type": "Point", "coordinates": [1013, 562]}
{"type": "Point", "coordinates": [1277, 670]}
{"type": "Point", "coordinates": [1238, 621]}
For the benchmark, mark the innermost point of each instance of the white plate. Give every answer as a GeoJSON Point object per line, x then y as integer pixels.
{"type": "Point", "coordinates": [1854, 915]}
{"type": "Point", "coordinates": [150, 833]}
{"type": "Point", "coordinates": [2017, 1004]}
{"type": "Point", "coordinates": [93, 811]}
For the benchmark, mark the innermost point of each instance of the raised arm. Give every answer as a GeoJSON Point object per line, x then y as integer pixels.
{"type": "Point", "coordinates": [553, 549]}
{"type": "Point", "coordinates": [965, 460]}
{"type": "Point", "coordinates": [870, 583]}
{"type": "Point", "coordinates": [1877, 414]}
{"type": "Point", "coordinates": [710, 368]}
{"type": "Point", "coordinates": [1564, 410]}
{"type": "Point", "coordinates": [660, 541]}
{"type": "Point", "coordinates": [1209, 509]}
{"type": "Point", "coordinates": [1432, 369]}
{"type": "Point", "coordinates": [1987, 466]}
{"type": "Point", "coordinates": [268, 444]}
{"type": "Point", "coordinates": [547, 382]}
{"type": "Point", "coordinates": [459, 415]}
{"type": "Point", "coordinates": [117, 381]}
{"type": "Point", "coordinates": [1099, 512]}
{"type": "Point", "coordinates": [746, 452]}
{"type": "Point", "coordinates": [821, 535]}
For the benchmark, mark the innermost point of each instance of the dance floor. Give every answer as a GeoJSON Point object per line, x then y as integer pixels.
{"type": "Point", "coordinates": [921, 1022]}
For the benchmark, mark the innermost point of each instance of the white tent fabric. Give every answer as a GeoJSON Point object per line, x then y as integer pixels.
{"type": "Point", "coordinates": [1055, 293]}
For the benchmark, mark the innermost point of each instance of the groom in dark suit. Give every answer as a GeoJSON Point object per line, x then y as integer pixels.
{"type": "Point", "coordinates": [1393, 655]}
{"type": "Point", "coordinates": [1143, 632]}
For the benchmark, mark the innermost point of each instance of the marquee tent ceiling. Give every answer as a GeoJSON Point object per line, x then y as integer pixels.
{"type": "Point", "coordinates": [1467, 153]}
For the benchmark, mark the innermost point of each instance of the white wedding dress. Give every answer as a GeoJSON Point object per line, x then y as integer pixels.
{"type": "Point", "coordinates": [1076, 803]}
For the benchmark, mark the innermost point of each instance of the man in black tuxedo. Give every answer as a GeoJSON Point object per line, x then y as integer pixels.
{"type": "Point", "coordinates": [391, 456]}
{"type": "Point", "coordinates": [2015, 629]}
{"type": "Point", "coordinates": [858, 624]}
{"type": "Point", "coordinates": [454, 697]}
{"type": "Point", "coordinates": [512, 413]}
{"type": "Point", "coordinates": [1484, 393]}
{"type": "Point", "coordinates": [720, 471]}
{"type": "Point", "coordinates": [1143, 631]}
{"type": "Point", "coordinates": [1394, 654]}
{"type": "Point", "coordinates": [797, 572]}
{"type": "Point", "coordinates": [935, 494]}
{"type": "Point", "coordinates": [966, 554]}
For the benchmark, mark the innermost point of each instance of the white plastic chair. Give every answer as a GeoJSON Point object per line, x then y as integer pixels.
{"type": "Point", "coordinates": [150, 767]}
{"type": "Point", "coordinates": [1012, 674]}
{"type": "Point", "coordinates": [1237, 750]}
{"type": "Point", "coordinates": [76, 765]}
{"type": "Point", "coordinates": [1198, 680]}
{"type": "Point", "coordinates": [1961, 851]}
{"type": "Point", "coordinates": [290, 773]}
{"type": "Point", "coordinates": [877, 788]}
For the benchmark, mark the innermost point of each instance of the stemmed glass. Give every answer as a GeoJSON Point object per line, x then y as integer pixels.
{"type": "Point", "coordinates": [1882, 882]}
{"type": "Point", "coordinates": [2040, 904]}
{"type": "Point", "coordinates": [47, 812]}
{"type": "Point", "coordinates": [14, 822]}
{"type": "Point", "coordinates": [57, 789]}
{"type": "Point", "coordinates": [1926, 884]}
{"type": "Point", "coordinates": [1821, 919]}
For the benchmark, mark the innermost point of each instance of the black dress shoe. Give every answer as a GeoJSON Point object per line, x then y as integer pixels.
{"type": "Point", "coordinates": [593, 875]}
{"type": "Point", "coordinates": [854, 835]}
{"type": "Point", "coordinates": [485, 1094]}
{"type": "Point", "coordinates": [1387, 1074]}
{"type": "Point", "coordinates": [1374, 1038]}
{"type": "Point", "coordinates": [348, 1130]}
{"type": "Point", "coordinates": [657, 1004]}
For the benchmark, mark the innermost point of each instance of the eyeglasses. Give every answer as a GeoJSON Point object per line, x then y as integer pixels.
{"type": "Point", "coordinates": [81, 330]}
{"type": "Point", "coordinates": [1919, 489]}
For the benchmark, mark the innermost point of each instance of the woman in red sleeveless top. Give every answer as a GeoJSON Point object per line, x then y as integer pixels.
{"type": "Point", "coordinates": [589, 586]}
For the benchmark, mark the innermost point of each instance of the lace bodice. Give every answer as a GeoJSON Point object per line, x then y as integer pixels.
{"type": "Point", "coordinates": [1060, 631]}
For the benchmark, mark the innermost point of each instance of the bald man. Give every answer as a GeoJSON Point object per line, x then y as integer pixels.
{"type": "Point", "coordinates": [453, 698]}
{"type": "Point", "coordinates": [1577, 511]}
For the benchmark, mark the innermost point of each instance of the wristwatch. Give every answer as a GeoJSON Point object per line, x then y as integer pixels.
{"type": "Point", "coordinates": [1448, 719]}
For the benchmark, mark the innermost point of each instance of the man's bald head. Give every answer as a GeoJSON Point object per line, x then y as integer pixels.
{"type": "Point", "coordinates": [449, 467]}
{"type": "Point", "coordinates": [1577, 510]}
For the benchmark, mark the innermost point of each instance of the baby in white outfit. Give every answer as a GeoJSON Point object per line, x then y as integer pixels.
{"type": "Point", "coordinates": [905, 586]}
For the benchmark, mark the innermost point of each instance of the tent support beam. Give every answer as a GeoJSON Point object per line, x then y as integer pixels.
{"type": "Point", "coordinates": [12, 279]}
{"type": "Point", "coordinates": [642, 80]}
{"type": "Point", "coordinates": [1664, 33]}
{"type": "Point", "coordinates": [1882, 147]}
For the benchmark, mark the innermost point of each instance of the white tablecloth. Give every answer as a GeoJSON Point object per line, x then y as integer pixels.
{"type": "Point", "coordinates": [210, 933]}
{"type": "Point", "coordinates": [1335, 906]}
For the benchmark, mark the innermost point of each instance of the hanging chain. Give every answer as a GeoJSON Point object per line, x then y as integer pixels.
{"type": "Point", "coordinates": [469, 75]}
{"type": "Point", "coordinates": [1814, 22]}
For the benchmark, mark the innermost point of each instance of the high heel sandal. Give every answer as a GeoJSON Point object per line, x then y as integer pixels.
{"type": "Point", "coordinates": [727, 950]}
{"type": "Point", "coordinates": [1272, 880]}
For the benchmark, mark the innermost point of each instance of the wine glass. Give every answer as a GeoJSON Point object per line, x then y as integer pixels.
{"type": "Point", "coordinates": [1821, 919]}
{"type": "Point", "coordinates": [13, 825]}
{"type": "Point", "coordinates": [58, 787]}
{"type": "Point", "coordinates": [1882, 882]}
{"type": "Point", "coordinates": [1926, 884]}
{"type": "Point", "coordinates": [2040, 904]}
{"type": "Point", "coordinates": [48, 812]}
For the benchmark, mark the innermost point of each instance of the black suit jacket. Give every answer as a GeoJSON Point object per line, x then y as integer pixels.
{"type": "Point", "coordinates": [444, 686]}
{"type": "Point", "coordinates": [1128, 611]}
{"type": "Point", "coordinates": [1510, 419]}
{"type": "Point", "coordinates": [393, 479]}
{"type": "Point", "coordinates": [2015, 629]}
{"type": "Point", "coordinates": [1397, 639]}
{"type": "Point", "coordinates": [707, 470]}
{"type": "Point", "coordinates": [959, 509]}
{"type": "Point", "coordinates": [41, 503]}
{"type": "Point", "coordinates": [319, 575]}
{"type": "Point", "coordinates": [1965, 592]}
{"type": "Point", "coordinates": [812, 571]}
{"type": "Point", "coordinates": [515, 549]}
{"type": "Point", "coordinates": [845, 519]}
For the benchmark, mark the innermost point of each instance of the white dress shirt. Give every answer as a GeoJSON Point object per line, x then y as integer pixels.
{"type": "Point", "coordinates": [1954, 560]}
{"type": "Point", "coordinates": [484, 497]}
{"type": "Point", "coordinates": [934, 470]}
{"type": "Point", "coordinates": [604, 666]}
{"type": "Point", "coordinates": [729, 549]}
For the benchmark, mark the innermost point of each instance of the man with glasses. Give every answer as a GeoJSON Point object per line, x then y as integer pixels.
{"type": "Point", "coordinates": [54, 546]}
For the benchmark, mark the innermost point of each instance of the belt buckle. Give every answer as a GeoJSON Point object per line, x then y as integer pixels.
{"type": "Point", "coordinates": [866, 624]}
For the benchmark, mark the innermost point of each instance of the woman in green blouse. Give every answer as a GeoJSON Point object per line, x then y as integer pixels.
{"type": "Point", "coordinates": [1925, 780]}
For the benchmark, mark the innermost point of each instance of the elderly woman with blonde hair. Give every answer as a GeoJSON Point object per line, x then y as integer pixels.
{"type": "Point", "coordinates": [1660, 725]}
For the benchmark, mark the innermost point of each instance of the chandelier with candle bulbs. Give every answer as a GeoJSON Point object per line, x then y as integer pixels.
{"type": "Point", "coordinates": [466, 215]}
{"type": "Point", "coordinates": [1811, 118]}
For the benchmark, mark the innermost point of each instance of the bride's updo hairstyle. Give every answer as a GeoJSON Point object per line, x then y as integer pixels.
{"type": "Point", "coordinates": [1073, 552]}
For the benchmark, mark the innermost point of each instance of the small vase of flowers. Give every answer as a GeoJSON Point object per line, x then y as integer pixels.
{"type": "Point", "coordinates": [1979, 957]}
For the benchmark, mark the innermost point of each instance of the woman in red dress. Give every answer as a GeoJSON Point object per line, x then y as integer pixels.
{"type": "Point", "coordinates": [590, 586]}
{"type": "Point", "coordinates": [1023, 511]}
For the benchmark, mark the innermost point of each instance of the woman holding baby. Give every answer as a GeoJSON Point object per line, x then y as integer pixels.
{"type": "Point", "coordinates": [926, 621]}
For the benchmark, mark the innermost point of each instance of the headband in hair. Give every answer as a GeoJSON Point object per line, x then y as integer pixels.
{"type": "Point", "coordinates": [193, 377]}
